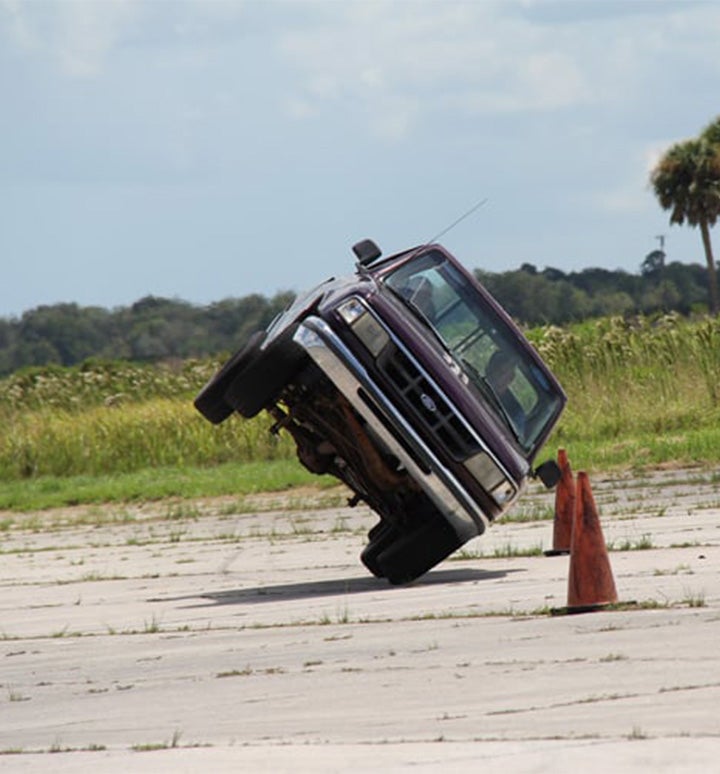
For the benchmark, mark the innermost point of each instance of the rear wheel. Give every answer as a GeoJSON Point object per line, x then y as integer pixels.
{"type": "Point", "coordinates": [382, 535]}
{"type": "Point", "coordinates": [412, 554]}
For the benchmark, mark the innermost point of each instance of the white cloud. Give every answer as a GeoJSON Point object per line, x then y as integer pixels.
{"type": "Point", "coordinates": [627, 199]}
{"type": "Point", "coordinates": [394, 118]}
{"type": "Point", "coordinates": [633, 194]}
{"type": "Point", "coordinates": [488, 57]}
{"type": "Point", "coordinates": [552, 79]}
{"type": "Point", "coordinates": [20, 32]}
{"type": "Point", "coordinates": [89, 32]}
{"type": "Point", "coordinates": [299, 109]}
{"type": "Point", "coordinates": [653, 154]}
{"type": "Point", "coordinates": [465, 56]}
{"type": "Point", "coordinates": [76, 35]}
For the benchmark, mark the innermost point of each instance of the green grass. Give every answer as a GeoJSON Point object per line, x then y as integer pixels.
{"type": "Point", "coordinates": [156, 484]}
{"type": "Point", "coordinates": [159, 432]}
{"type": "Point", "coordinates": [641, 393]}
{"type": "Point", "coordinates": [638, 450]}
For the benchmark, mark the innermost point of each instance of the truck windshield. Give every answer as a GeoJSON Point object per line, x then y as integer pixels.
{"type": "Point", "coordinates": [486, 348]}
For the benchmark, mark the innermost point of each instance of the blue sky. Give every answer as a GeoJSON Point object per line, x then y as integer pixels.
{"type": "Point", "coordinates": [201, 149]}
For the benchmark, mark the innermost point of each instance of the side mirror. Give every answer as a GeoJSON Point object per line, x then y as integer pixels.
{"type": "Point", "coordinates": [366, 251]}
{"type": "Point", "coordinates": [549, 473]}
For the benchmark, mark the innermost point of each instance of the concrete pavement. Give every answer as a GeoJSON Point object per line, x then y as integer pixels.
{"type": "Point", "coordinates": [212, 639]}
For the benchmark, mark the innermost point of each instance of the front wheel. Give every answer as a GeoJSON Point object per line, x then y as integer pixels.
{"type": "Point", "coordinates": [210, 401]}
{"type": "Point", "coordinates": [260, 382]}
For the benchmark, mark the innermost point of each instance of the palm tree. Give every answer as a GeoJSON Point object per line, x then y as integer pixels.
{"type": "Point", "coordinates": [711, 133]}
{"type": "Point", "coordinates": [686, 181]}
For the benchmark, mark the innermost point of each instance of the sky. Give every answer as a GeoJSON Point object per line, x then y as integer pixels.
{"type": "Point", "coordinates": [207, 149]}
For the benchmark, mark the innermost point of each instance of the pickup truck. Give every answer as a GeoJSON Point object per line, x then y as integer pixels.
{"type": "Point", "coordinates": [410, 384]}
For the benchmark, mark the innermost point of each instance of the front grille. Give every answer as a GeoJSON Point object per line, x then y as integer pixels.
{"type": "Point", "coordinates": [426, 404]}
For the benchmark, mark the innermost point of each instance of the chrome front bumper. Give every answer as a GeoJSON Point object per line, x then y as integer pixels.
{"type": "Point", "coordinates": [339, 364]}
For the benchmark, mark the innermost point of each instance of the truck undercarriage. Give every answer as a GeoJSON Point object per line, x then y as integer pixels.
{"type": "Point", "coordinates": [331, 438]}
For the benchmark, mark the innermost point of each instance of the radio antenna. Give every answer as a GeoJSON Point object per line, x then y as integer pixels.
{"type": "Point", "coordinates": [467, 214]}
{"type": "Point", "coordinates": [368, 252]}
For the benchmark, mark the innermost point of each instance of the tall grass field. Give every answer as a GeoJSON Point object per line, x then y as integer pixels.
{"type": "Point", "coordinates": [641, 393]}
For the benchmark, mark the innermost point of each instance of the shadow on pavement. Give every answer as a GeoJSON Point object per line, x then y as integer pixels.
{"type": "Point", "coordinates": [334, 587]}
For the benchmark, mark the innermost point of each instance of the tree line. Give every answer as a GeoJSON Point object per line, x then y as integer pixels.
{"type": "Point", "coordinates": [551, 297]}
{"type": "Point", "coordinates": [160, 329]}
{"type": "Point", "coordinates": [150, 330]}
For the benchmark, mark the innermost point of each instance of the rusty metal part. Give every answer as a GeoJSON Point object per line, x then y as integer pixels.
{"type": "Point", "coordinates": [330, 438]}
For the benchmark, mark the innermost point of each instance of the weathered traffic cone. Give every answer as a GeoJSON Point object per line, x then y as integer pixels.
{"type": "Point", "coordinates": [564, 508]}
{"type": "Point", "coordinates": [590, 585]}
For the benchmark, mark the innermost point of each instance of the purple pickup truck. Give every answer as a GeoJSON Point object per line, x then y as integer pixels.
{"type": "Point", "coordinates": [409, 383]}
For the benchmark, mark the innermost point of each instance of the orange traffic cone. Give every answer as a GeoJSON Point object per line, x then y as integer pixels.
{"type": "Point", "coordinates": [590, 585]}
{"type": "Point", "coordinates": [564, 508]}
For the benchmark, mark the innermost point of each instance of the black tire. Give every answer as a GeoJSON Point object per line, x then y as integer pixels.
{"type": "Point", "coordinates": [382, 535]}
{"type": "Point", "coordinates": [210, 401]}
{"type": "Point", "coordinates": [414, 553]}
{"type": "Point", "coordinates": [259, 383]}
{"type": "Point", "coordinates": [375, 531]}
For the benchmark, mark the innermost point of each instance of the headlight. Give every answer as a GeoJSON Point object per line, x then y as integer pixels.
{"type": "Point", "coordinates": [351, 310]}
{"type": "Point", "coordinates": [364, 325]}
{"type": "Point", "coordinates": [490, 477]}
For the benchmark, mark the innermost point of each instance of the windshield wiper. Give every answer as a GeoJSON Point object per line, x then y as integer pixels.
{"type": "Point", "coordinates": [489, 392]}
{"type": "Point", "coordinates": [424, 319]}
